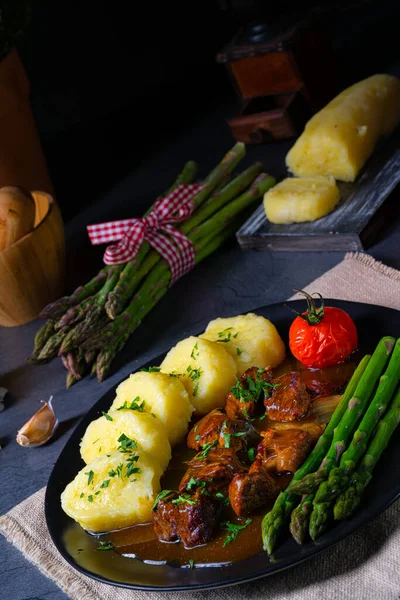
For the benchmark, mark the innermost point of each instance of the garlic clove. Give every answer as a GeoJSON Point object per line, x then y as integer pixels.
{"type": "Point", "coordinates": [40, 428]}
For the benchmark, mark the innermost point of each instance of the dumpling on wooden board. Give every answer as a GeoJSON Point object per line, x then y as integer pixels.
{"type": "Point", "coordinates": [340, 138]}
{"type": "Point", "coordinates": [300, 199]}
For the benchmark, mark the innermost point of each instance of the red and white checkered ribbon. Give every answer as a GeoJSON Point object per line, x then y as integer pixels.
{"type": "Point", "coordinates": [176, 249]}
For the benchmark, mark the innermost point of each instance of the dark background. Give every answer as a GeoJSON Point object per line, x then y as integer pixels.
{"type": "Point", "coordinates": [114, 82]}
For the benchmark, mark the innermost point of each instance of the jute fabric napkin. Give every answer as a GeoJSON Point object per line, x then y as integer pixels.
{"type": "Point", "coordinates": [364, 566]}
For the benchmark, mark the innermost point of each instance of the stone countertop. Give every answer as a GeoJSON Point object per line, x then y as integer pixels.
{"type": "Point", "coordinates": [229, 282]}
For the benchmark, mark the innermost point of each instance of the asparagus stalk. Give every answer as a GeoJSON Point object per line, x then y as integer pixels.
{"type": "Point", "coordinates": [93, 318]}
{"type": "Point", "coordinates": [75, 314]}
{"type": "Point", "coordinates": [42, 336]}
{"type": "Point", "coordinates": [56, 309]}
{"type": "Point", "coordinates": [52, 346]}
{"type": "Point", "coordinates": [320, 518]}
{"type": "Point", "coordinates": [274, 521]}
{"type": "Point", "coordinates": [339, 477]}
{"type": "Point", "coordinates": [349, 500]}
{"type": "Point", "coordinates": [356, 408]}
{"type": "Point", "coordinates": [135, 271]}
{"type": "Point", "coordinates": [300, 519]}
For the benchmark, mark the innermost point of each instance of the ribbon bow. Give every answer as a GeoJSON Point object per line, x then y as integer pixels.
{"type": "Point", "coordinates": [176, 249]}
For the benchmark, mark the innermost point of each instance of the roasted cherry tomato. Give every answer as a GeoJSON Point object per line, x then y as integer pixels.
{"type": "Point", "coordinates": [322, 337]}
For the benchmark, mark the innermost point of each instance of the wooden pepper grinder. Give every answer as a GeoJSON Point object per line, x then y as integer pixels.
{"type": "Point", "coordinates": [281, 80]}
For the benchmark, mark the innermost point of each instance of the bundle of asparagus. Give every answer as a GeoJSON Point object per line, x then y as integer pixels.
{"type": "Point", "coordinates": [330, 483]}
{"type": "Point", "coordinates": [88, 328]}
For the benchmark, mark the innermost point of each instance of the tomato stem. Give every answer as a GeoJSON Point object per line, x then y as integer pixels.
{"type": "Point", "coordinates": [313, 315]}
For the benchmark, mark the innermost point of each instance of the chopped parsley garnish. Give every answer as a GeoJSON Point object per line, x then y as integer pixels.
{"type": "Point", "coordinates": [191, 563]}
{"type": "Point", "coordinates": [127, 445]}
{"type": "Point", "coordinates": [233, 530]}
{"type": "Point", "coordinates": [255, 388]}
{"type": "Point", "coordinates": [182, 499]}
{"type": "Point", "coordinates": [105, 546]}
{"type": "Point", "coordinates": [97, 493]}
{"type": "Point", "coordinates": [131, 469]}
{"type": "Point", "coordinates": [195, 352]}
{"type": "Point", "coordinates": [134, 405]}
{"type": "Point", "coordinates": [151, 369]}
{"type": "Point", "coordinates": [225, 335]}
{"type": "Point", "coordinates": [105, 483]}
{"type": "Point", "coordinates": [227, 436]}
{"type": "Point", "coordinates": [90, 498]}
{"type": "Point", "coordinates": [194, 375]}
{"type": "Point", "coordinates": [173, 374]}
{"type": "Point", "coordinates": [90, 475]}
{"type": "Point", "coordinates": [195, 483]}
{"type": "Point", "coordinates": [222, 498]}
{"type": "Point", "coordinates": [160, 496]}
{"type": "Point", "coordinates": [95, 441]}
{"type": "Point", "coordinates": [196, 427]}
{"type": "Point", "coordinates": [117, 471]}
{"type": "Point", "coordinates": [197, 437]}
{"type": "Point", "coordinates": [82, 495]}
{"type": "Point", "coordinates": [239, 351]}
{"type": "Point", "coordinates": [251, 453]}
{"type": "Point", "coordinates": [206, 449]}
{"type": "Point", "coordinates": [106, 416]}
{"type": "Point", "coordinates": [262, 417]}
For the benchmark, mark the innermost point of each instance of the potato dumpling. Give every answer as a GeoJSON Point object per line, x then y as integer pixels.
{"type": "Point", "coordinates": [251, 340]}
{"type": "Point", "coordinates": [109, 493]}
{"type": "Point", "coordinates": [300, 199]}
{"type": "Point", "coordinates": [164, 396]}
{"type": "Point", "coordinates": [206, 369]}
{"type": "Point", "coordinates": [146, 430]}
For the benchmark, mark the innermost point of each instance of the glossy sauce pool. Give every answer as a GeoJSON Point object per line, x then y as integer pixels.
{"type": "Point", "coordinates": [140, 542]}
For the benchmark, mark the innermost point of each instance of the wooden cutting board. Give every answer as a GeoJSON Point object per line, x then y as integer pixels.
{"type": "Point", "coordinates": [360, 215]}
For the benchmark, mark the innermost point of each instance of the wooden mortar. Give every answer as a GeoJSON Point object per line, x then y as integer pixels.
{"type": "Point", "coordinates": [32, 269]}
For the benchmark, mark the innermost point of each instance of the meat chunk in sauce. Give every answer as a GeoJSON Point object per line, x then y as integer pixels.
{"type": "Point", "coordinates": [197, 519]}
{"type": "Point", "coordinates": [243, 404]}
{"type": "Point", "coordinates": [217, 427]}
{"type": "Point", "coordinates": [249, 491]}
{"type": "Point", "coordinates": [289, 400]}
{"type": "Point", "coordinates": [284, 451]}
{"type": "Point", "coordinates": [189, 518]}
{"type": "Point", "coordinates": [165, 521]}
{"type": "Point", "coordinates": [217, 469]}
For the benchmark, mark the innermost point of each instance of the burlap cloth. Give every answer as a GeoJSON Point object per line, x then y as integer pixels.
{"type": "Point", "coordinates": [366, 565]}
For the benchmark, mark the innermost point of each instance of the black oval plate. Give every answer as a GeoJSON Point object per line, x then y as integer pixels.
{"type": "Point", "coordinates": [372, 322]}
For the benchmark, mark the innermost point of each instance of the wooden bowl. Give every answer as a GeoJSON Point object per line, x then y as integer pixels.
{"type": "Point", "coordinates": [32, 269]}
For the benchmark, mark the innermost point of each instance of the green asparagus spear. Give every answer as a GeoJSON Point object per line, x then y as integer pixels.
{"type": "Point", "coordinates": [44, 334]}
{"type": "Point", "coordinates": [96, 314]}
{"type": "Point", "coordinates": [274, 521]}
{"type": "Point", "coordinates": [320, 518]}
{"type": "Point", "coordinates": [339, 477]}
{"type": "Point", "coordinates": [56, 309]}
{"type": "Point", "coordinates": [349, 500]}
{"type": "Point", "coordinates": [135, 272]}
{"type": "Point", "coordinates": [356, 408]}
{"type": "Point", "coordinates": [300, 518]}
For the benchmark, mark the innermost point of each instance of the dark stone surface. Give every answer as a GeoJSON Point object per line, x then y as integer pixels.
{"type": "Point", "coordinates": [229, 282]}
